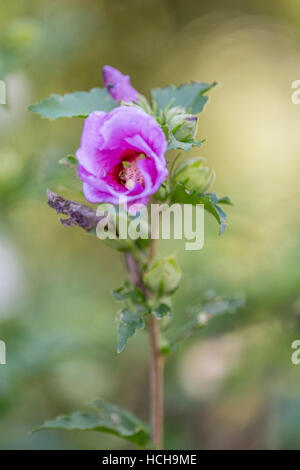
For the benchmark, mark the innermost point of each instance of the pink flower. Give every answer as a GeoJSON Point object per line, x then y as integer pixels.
{"type": "Point", "coordinates": [118, 85]}
{"type": "Point", "coordinates": [121, 156]}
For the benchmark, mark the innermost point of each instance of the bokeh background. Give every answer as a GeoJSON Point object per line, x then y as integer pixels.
{"type": "Point", "coordinates": [231, 386]}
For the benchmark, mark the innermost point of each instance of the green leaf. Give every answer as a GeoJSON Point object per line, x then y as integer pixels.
{"type": "Point", "coordinates": [173, 143]}
{"type": "Point", "coordinates": [161, 311]}
{"type": "Point", "coordinates": [209, 200]}
{"type": "Point", "coordinates": [106, 418]}
{"type": "Point", "coordinates": [190, 96]}
{"type": "Point", "coordinates": [225, 200]}
{"type": "Point", "coordinates": [203, 313]}
{"type": "Point", "coordinates": [128, 292]}
{"type": "Point", "coordinates": [130, 321]}
{"type": "Point", "coordinates": [69, 161]}
{"type": "Point", "coordinates": [132, 315]}
{"type": "Point", "coordinates": [210, 205]}
{"type": "Point", "coordinates": [77, 104]}
{"type": "Point", "coordinates": [185, 145]}
{"type": "Point", "coordinates": [163, 193]}
{"type": "Point", "coordinates": [217, 305]}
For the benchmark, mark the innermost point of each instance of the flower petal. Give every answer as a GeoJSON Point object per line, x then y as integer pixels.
{"type": "Point", "coordinates": [109, 139]}
{"type": "Point", "coordinates": [118, 85]}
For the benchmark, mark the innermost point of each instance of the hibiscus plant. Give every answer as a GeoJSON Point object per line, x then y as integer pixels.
{"type": "Point", "coordinates": [122, 158]}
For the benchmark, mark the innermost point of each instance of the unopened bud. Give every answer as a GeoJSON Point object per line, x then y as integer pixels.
{"type": "Point", "coordinates": [182, 124]}
{"type": "Point", "coordinates": [194, 175]}
{"type": "Point", "coordinates": [163, 276]}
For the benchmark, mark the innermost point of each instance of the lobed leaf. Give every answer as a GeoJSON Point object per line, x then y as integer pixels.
{"type": "Point", "coordinates": [203, 313]}
{"type": "Point", "coordinates": [190, 96]}
{"type": "Point", "coordinates": [132, 315]}
{"type": "Point", "coordinates": [106, 418]}
{"type": "Point", "coordinates": [162, 310]}
{"type": "Point", "coordinates": [217, 305]}
{"type": "Point", "coordinates": [77, 104]}
{"type": "Point", "coordinates": [210, 201]}
{"type": "Point", "coordinates": [129, 292]}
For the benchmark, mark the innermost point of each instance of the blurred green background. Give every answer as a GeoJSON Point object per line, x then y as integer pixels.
{"type": "Point", "coordinates": [233, 385]}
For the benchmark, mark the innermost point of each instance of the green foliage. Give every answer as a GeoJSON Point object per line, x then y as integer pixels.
{"type": "Point", "coordinates": [130, 321]}
{"type": "Point", "coordinates": [132, 315]}
{"type": "Point", "coordinates": [128, 292]}
{"type": "Point", "coordinates": [77, 104]}
{"type": "Point", "coordinates": [163, 193]}
{"type": "Point", "coordinates": [174, 143]}
{"type": "Point", "coordinates": [210, 201]}
{"type": "Point", "coordinates": [217, 305]}
{"type": "Point", "coordinates": [172, 105]}
{"type": "Point", "coordinates": [190, 96]}
{"type": "Point", "coordinates": [161, 311]}
{"type": "Point", "coordinates": [200, 315]}
{"type": "Point", "coordinates": [69, 161]}
{"type": "Point", "coordinates": [182, 124]}
{"type": "Point", "coordinates": [106, 418]}
{"type": "Point", "coordinates": [186, 145]}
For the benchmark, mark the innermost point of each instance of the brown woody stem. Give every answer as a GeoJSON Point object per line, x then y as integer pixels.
{"type": "Point", "coordinates": [156, 384]}
{"type": "Point", "coordinates": [156, 358]}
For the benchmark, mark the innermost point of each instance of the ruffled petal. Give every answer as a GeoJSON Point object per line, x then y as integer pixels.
{"type": "Point", "coordinates": [109, 139]}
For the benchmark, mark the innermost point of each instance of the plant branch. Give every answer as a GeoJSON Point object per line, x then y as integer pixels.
{"type": "Point", "coordinates": [156, 358]}
{"type": "Point", "coordinates": [156, 365]}
{"type": "Point", "coordinates": [135, 272]}
{"type": "Point", "coordinates": [83, 216]}
{"type": "Point", "coordinates": [156, 384]}
{"type": "Point", "coordinates": [78, 214]}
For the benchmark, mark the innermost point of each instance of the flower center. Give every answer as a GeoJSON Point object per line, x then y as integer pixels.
{"type": "Point", "coordinates": [130, 174]}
